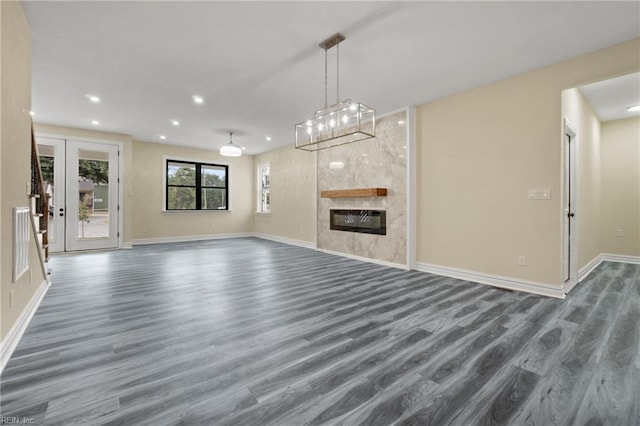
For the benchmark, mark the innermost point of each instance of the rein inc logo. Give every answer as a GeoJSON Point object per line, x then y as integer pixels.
{"type": "Point", "coordinates": [6, 420]}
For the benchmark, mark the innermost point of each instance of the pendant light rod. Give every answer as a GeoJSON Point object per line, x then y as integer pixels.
{"type": "Point", "coordinates": [332, 41]}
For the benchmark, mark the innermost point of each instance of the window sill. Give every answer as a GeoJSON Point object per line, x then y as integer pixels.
{"type": "Point", "coordinates": [263, 213]}
{"type": "Point", "coordinates": [195, 211]}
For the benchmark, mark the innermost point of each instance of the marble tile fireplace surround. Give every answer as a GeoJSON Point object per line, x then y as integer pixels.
{"type": "Point", "coordinates": [371, 165]}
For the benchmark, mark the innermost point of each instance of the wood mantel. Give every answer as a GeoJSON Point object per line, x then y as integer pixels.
{"type": "Point", "coordinates": [362, 192]}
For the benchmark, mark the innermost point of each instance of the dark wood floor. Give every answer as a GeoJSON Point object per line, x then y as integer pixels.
{"type": "Point", "coordinates": [253, 332]}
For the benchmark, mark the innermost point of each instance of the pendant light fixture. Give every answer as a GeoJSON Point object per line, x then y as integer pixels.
{"type": "Point", "coordinates": [230, 149]}
{"type": "Point", "coordinates": [338, 124]}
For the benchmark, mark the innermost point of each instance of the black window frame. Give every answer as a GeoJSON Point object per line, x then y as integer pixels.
{"type": "Point", "coordinates": [198, 185]}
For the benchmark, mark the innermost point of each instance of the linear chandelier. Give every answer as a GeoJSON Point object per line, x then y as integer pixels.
{"type": "Point", "coordinates": [338, 124]}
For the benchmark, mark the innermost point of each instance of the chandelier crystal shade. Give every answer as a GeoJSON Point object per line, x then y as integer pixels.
{"type": "Point", "coordinates": [338, 124]}
{"type": "Point", "coordinates": [230, 149]}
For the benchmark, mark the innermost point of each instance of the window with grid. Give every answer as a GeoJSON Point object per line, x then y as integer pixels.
{"type": "Point", "coordinates": [196, 186]}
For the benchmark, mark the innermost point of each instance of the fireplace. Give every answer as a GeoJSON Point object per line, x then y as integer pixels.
{"type": "Point", "coordinates": [364, 221]}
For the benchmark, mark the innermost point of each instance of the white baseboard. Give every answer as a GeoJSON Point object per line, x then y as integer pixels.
{"type": "Point", "coordinates": [364, 259]}
{"type": "Point", "coordinates": [183, 239]}
{"type": "Point", "coordinates": [620, 258]}
{"type": "Point", "coordinates": [127, 245]}
{"type": "Point", "coordinates": [494, 280]}
{"type": "Point", "coordinates": [589, 267]}
{"type": "Point", "coordinates": [14, 335]}
{"type": "Point", "coordinates": [290, 241]}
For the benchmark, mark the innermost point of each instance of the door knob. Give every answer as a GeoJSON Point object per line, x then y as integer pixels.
{"type": "Point", "coordinates": [571, 214]}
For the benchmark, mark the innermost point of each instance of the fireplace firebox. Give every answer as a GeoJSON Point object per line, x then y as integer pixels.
{"type": "Point", "coordinates": [363, 221]}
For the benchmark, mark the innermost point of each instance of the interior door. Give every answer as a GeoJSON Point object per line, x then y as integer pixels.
{"type": "Point", "coordinates": [52, 163]}
{"type": "Point", "coordinates": [570, 240]}
{"type": "Point", "coordinates": [92, 196]}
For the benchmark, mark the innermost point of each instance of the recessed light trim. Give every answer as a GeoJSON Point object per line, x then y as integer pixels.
{"type": "Point", "coordinates": [31, 113]}
{"type": "Point", "coordinates": [163, 137]}
{"type": "Point", "coordinates": [268, 138]}
{"type": "Point", "coordinates": [95, 122]}
{"type": "Point", "coordinates": [401, 122]}
{"type": "Point", "coordinates": [198, 99]}
{"type": "Point", "coordinates": [93, 98]}
{"type": "Point", "coordinates": [634, 108]}
{"type": "Point", "coordinates": [175, 122]}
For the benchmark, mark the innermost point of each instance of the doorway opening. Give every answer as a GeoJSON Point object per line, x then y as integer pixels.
{"type": "Point", "coordinates": [570, 204]}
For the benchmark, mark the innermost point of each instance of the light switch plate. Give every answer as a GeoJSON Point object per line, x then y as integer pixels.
{"type": "Point", "coordinates": [539, 194]}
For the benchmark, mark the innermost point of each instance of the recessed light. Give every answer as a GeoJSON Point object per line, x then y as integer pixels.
{"type": "Point", "coordinates": [31, 113]}
{"type": "Point", "coordinates": [93, 98]}
{"type": "Point", "coordinates": [175, 122]}
{"type": "Point", "coordinates": [634, 108]}
{"type": "Point", "coordinates": [268, 138]}
{"type": "Point", "coordinates": [198, 99]}
{"type": "Point", "coordinates": [401, 122]}
{"type": "Point", "coordinates": [163, 137]}
{"type": "Point", "coordinates": [243, 148]}
{"type": "Point", "coordinates": [95, 122]}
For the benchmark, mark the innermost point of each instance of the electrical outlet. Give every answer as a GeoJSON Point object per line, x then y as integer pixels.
{"type": "Point", "coordinates": [522, 260]}
{"type": "Point", "coordinates": [619, 233]}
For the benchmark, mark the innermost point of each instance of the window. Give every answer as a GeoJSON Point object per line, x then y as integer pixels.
{"type": "Point", "coordinates": [196, 186]}
{"type": "Point", "coordinates": [264, 198]}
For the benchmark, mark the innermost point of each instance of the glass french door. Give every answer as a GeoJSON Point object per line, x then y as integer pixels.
{"type": "Point", "coordinates": [82, 181]}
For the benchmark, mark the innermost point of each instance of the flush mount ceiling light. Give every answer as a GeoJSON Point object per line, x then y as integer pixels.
{"type": "Point", "coordinates": [338, 124]}
{"type": "Point", "coordinates": [230, 149]}
{"type": "Point", "coordinates": [634, 108]}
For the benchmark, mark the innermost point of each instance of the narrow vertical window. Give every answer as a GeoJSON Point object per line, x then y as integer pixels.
{"type": "Point", "coordinates": [264, 189]}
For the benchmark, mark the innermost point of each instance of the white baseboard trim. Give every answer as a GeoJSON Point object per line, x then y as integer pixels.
{"type": "Point", "coordinates": [284, 240]}
{"type": "Point", "coordinates": [494, 280]}
{"type": "Point", "coordinates": [183, 239]}
{"type": "Point", "coordinates": [128, 245]}
{"type": "Point", "coordinates": [589, 267]}
{"type": "Point", "coordinates": [11, 340]}
{"type": "Point", "coordinates": [364, 259]}
{"type": "Point", "coordinates": [620, 258]}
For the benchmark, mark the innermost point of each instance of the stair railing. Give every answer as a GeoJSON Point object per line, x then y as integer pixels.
{"type": "Point", "coordinates": [41, 198]}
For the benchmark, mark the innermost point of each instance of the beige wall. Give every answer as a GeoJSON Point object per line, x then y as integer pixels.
{"type": "Point", "coordinates": [92, 135]}
{"type": "Point", "coordinates": [293, 195]}
{"type": "Point", "coordinates": [15, 157]}
{"type": "Point", "coordinates": [150, 222]}
{"type": "Point", "coordinates": [621, 187]}
{"type": "Point", "coordinates": [577, 110]}
{"type": "Point", "coordinates": [478, 154]}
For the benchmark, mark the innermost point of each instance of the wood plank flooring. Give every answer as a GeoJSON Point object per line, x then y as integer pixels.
{"type": "Point", "coordinates": [253, 332]}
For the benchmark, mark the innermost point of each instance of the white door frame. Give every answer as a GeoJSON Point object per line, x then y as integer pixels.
{"type": "Point", "coordinates": [57, 234]}
{"type": "Point", "coordinates": [120, 145]}
{"type": "Point", "coordinates": [73, 242]}
{"type": "Point", "coordinates": [569, 198]}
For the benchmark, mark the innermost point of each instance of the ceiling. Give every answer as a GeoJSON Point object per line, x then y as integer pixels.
{"type": "Point", "coordinates": [259, 68]}
{"type": "Point", "coordinates": [611, 98]}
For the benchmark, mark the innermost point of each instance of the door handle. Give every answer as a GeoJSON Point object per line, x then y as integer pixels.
{"type": "Point", "coordinates": [571, 214]}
